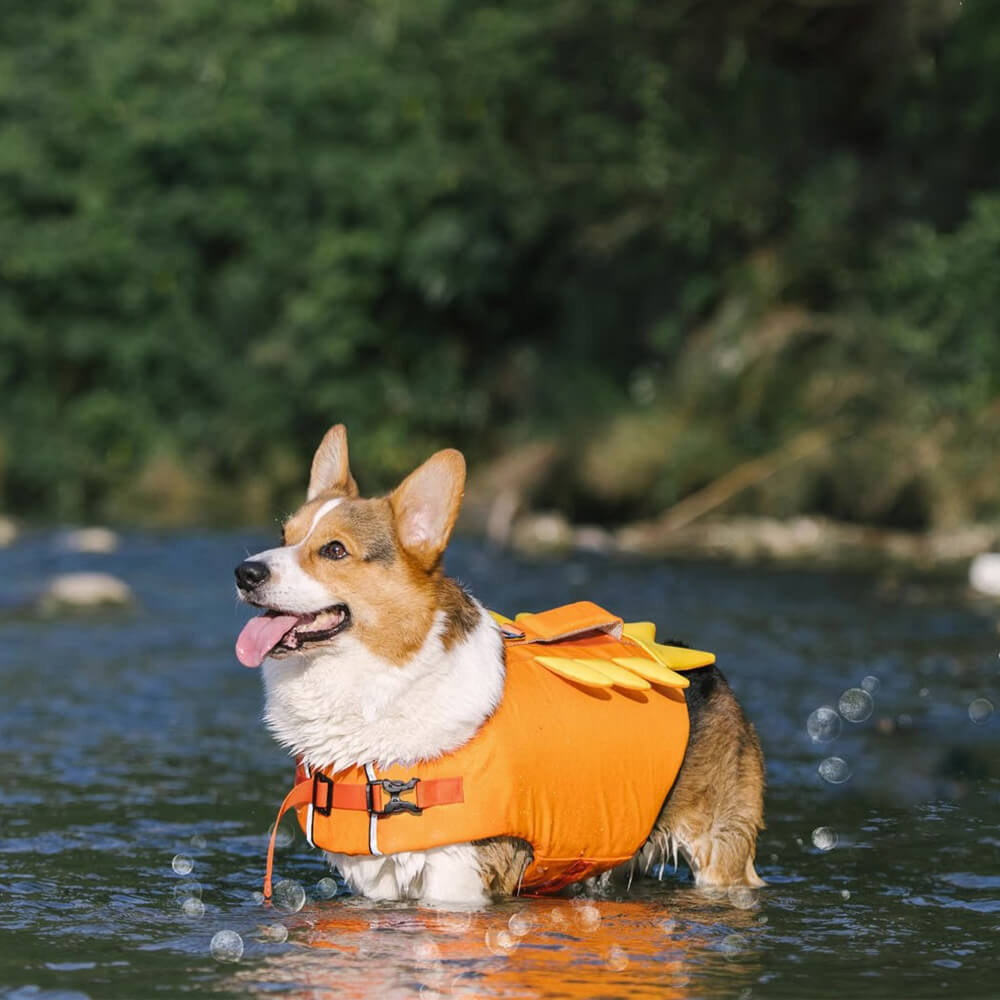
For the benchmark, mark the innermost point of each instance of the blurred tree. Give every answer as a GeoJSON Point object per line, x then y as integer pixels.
{"type": "Point", "coordinates": [224, 226]}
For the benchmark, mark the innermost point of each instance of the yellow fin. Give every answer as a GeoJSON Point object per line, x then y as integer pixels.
{"type": "Point", "coordinates": [681, 658]}
{"type": "Point", "coordinates": [652, 671]}
{"type": "Point", "coordinates": [643, 631]}
{"type": "Point", "coordinates": [500, 619]}
{"type": "Point", "coordinates": [620, 676]}
{"type": "Point", "coordinates": [575, 670]}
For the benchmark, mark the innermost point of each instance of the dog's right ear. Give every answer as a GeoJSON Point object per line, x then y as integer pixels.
{"type": "Point", "coordinates": [331, 472]}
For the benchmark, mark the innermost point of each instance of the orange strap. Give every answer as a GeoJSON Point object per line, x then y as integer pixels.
{"type": "Point", "coordinates": [323, 794]}
{"type": "Point", "coordinates": [300, 795]}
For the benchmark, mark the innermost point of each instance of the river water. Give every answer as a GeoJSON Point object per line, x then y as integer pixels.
{"type": "Point", "coordinates": [138, 785]}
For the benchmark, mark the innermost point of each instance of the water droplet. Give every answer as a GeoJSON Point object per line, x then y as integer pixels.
{"type": "Point", "coordinates": [226, 946]}
{"type": "Point", "coordinates": [425, 950]}
{"type": "Point", "coordinates": [182, 864]}
{"type": "Point", "coordinates": [824, 838]}
{"type": "Point", "coordinates": [198, 842]}
{"type": "Point", "coordinates": [193, 907]}
{"type": "Point", "coordinates": [903, 720]}
{"type": "Point", "coordinates": [556, 917]}
{"type": "Point", "coordinates": [257, 897]}
{"type": "Point", "coordinates": [616, 958]}
{"type": "Point", "coordinates": [823, 725]}
{"type": "Point", "coordinates": [284, 836]}
{"type": "Point", "coordinates": [326, 888]}
{"type": "Point", "coordinates": [500, 941]}
{"type": "Point", "coordinates": [274, 932]}
{"type": "Point", "coordinates": [289, 896]}
{"type": "Point", "coordinates": [521, 923]}
{"type": "Point", "coordinates": [845, 893]}
{"type": "Point", "coordinates": [871, 683]}
{"type": "Point", "coordinates": [733, 944]}
{"type": "Point", "coordinates": [856, 705]}
{"type": "Point", "coordinates": [923, 692]}
{"type": "Point", "coordinates": [588, 917]}
{"type": "Point", "coordinates": [189, 887]}
{"type": "Point", "coordinates": [835, 770]}
{"type": "Point", "coordinates": [980, 709]}
{"type": "Point", "coordinates": [742, 897]}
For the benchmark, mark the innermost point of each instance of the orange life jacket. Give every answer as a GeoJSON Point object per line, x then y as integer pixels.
{"type": "Point", "coordinates": [576, 760]}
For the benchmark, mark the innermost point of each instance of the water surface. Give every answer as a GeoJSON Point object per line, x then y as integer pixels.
{"type": "Point", "coordinates": [138, 785]}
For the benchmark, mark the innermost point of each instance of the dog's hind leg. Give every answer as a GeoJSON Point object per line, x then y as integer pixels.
{"type": "Point", "coordinates": [716, 807]}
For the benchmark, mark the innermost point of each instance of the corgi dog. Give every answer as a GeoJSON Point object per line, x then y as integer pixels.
{"type": "Point", "coordinates": [372, 656]}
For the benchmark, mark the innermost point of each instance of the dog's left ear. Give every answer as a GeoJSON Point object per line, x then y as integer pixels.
{"type": "Point", "coordinates": [331, 472]}
{"type": "Point", "coordinates": [426, 505]}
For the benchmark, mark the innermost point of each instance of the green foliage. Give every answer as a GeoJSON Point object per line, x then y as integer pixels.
{"type": "Point", "coordinates": [225, 226]}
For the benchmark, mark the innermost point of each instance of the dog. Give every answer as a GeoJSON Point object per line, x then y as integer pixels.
{"type": "Point", "coordinates": [370, 654]}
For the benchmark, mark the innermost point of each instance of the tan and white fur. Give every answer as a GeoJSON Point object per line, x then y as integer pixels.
{"type": "Point", "coordinates": [393, 662]}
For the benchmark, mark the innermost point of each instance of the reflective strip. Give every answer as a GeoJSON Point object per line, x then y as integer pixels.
{"type": "Point", "coordinates": [372, 818]}
{"type": "Point", "coordinates": [309, 809]}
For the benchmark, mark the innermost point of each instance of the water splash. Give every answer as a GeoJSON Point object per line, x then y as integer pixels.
{"type": "Point", "coordinates": [193, 908]}
{"type": "Point", "coordinates": [289, 896]}
{"type": "Point", "coordinates": [835, 770]}
{"type": "Point", "coordinates": [587, 917]}
{"type": "Point", "coordinates": [980, 709]}
{"type": "Point", "coordinates": [824, 838]}
{"type": "Point", "coordinates": [500, 941]}
{"type": "Point", "coordinates": [616, 958]}
{"type": "Point", "coordinates": [742, 897]}
{"type": "Point", "coordinates": [871, 683]}
{"type": "Point", "coordinates": [276, 932]}
{"type": "Point", "coordinates": [182, 864]}
{"type": "Point", "coordinates": [521, 923]}
{"type": "Point", "coordinates": [226, 946]}
{"type": "Point", "coordinates": [326, 888]}
{"type": "Point", "coordinates": [856, 705]}
{"type": "Point", "coordinates": [823, 725]}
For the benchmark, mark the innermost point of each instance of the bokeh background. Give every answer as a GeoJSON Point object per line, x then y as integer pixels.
{"type": "Point", "coordinates": [623, 247]}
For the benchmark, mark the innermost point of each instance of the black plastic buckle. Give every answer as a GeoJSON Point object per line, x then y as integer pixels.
{"type": "Point", "coordinates": [395, 804]}
{"type": "Point", "coordinates": [319, 778]}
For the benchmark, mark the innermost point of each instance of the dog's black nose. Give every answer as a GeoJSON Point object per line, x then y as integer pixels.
{"type": "Point", "coordinates": [249, 574]}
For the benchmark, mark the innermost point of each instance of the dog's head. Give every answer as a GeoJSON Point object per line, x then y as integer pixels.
{"type": "Point", "coordinates": [370, 566]}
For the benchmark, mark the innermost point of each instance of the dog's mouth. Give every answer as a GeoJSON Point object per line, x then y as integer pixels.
{"type": "Point", "coordinates": [276, 633]}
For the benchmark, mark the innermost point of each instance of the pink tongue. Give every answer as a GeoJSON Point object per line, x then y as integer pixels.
{"type": "Point", "coordinates": [260, 635]}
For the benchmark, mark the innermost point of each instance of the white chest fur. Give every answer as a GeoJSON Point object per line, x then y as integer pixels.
{"type": "Point", "coordinates": [350, 707]}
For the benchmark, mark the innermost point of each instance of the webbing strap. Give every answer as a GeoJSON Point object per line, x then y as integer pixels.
{"type": "Point", "coordinates": [325, 795]}
{"type": "Point", "coordinates": [300, 795]}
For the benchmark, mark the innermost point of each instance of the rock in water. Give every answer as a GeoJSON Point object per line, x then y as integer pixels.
{"type": "Point", "coordinates": [95, 539]}
{"type": "Point", "coordinates": [85, 592]}
{"type": "Point", "coordinates": [984, 573]}
{"type": "Point", "coordinates": [8, 531]}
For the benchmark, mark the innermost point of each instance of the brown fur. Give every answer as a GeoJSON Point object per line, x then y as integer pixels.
{"type": "Point", "coordinates": [716, 808]}
{"type": "Point", "coordinates": [460, 613]}
{"type": "Point", "coordinates": [502, 863]}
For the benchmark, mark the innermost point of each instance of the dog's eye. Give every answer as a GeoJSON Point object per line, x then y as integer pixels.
{"type": "Point", "coordinates": [333, 550]}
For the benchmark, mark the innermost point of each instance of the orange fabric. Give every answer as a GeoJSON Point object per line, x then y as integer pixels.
{"type": "Point", "coordinates": [579, 773]}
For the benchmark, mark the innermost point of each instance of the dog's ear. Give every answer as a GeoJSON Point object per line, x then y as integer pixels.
{"type": "Point", "coordinates": [331, 472]}
{"type": "Point", "coordinates": [426, 504]}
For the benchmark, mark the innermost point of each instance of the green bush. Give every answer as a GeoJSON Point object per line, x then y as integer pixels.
{"type": "Point", "coordinates": [225, 226]}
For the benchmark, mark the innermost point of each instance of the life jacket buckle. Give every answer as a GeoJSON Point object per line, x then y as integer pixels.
{"type": "Point", "coordinates": [395, 804]}
{"type": "Point", "coordinates": [319, 778]}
